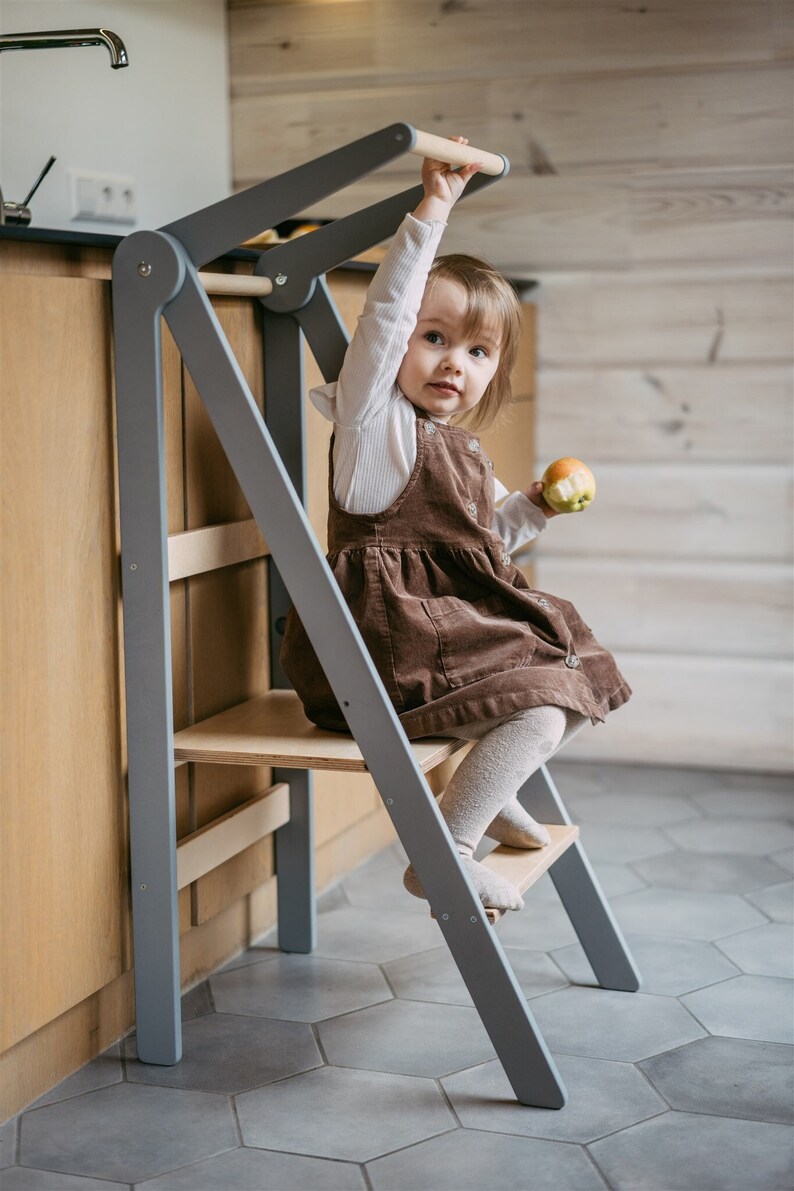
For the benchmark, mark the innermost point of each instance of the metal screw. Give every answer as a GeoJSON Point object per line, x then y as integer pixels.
{"type": "Point", "coordinates": [472, 919]}
{"type": "Point", "coordinates": [144, 268]}
{"type": "Point", "coordinates": [143, 887]}
{"type": "Point", "coordinates": [281, 279]}
{"type": "Point", "coordinates": [445, 917]}
{"type": "Point", "coordinates": [389, 801]}
{"type": "Point", "coordinates": [133, 566]}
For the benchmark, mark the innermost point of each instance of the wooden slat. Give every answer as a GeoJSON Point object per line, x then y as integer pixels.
{"type": "Point", "coordinates": [229, 835]}
{"type": "Point", "coordinates": [320, 44]}
{"type": "Point", "coordinates": [665, 317]}
{"type": "Point", "coordinates": [726, 713]}
{"type": "Point", "coordinates": [619, 122]}
{"type": "Point", "coordinates": [214, 546]}
{"type": "Point", "coordinates": [273, 730]}
{"type": "Point", "coordinates": [674, 510]}
{"type": "Point", "coordinates": [523, 867]}
{"type": "Point", "coordinates": [703, 609]}
{"type": "Point", "coordinates": [686, 414]}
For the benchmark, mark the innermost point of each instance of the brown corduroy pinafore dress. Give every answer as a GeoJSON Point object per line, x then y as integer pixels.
{"type": "Point", "coordinates": [454, 629]}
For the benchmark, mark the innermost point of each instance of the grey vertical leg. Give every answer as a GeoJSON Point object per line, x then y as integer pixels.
{"type": "Point", "coordinates": [581, 894]}
{"type": "Point", "coordinates": [284, 416]}
{"type": "Point", "coordinates": [297, 904]}
{"type": "Point", "coordinates": [137, 302]}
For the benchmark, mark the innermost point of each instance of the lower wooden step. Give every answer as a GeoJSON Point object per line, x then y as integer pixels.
{"type": "Point", "coordinates": [522, 867]}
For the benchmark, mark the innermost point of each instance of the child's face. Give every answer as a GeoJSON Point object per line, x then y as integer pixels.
{"type": "Point", "coordinates": [445, 371]}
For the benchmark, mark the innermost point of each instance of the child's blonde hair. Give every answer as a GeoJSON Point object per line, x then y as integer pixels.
{"type": "Point", "coordinates": [492, 307]}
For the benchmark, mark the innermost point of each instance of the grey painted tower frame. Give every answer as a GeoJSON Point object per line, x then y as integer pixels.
{"type": "Point", "coordinates": [154, 276]}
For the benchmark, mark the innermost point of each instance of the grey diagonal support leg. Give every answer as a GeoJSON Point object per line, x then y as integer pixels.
{"type": "Point", "coordinates": [297, 901]}
{"type": "Point", "coordinates": [280, 515]}
{"type": "Point", "coordinates": [147, 640]}
{"type": "Point", "coordinates": [581, 894]}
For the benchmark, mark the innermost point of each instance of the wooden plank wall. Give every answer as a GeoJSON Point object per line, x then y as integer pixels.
{"type": "Point", "coordinates": [650, 195]}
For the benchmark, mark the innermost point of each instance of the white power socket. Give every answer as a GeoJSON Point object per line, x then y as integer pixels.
{"type": "Point", "coordinates": [104, 197]}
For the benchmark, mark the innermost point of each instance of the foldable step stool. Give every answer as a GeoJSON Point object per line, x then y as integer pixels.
{"type": "Point", "coordinates": [155, 274]}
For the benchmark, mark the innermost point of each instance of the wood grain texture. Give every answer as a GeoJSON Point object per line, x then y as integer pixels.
{"type": "Point", "coordinates": [272, 729]}
{"type": "Point", "coordinates": [523, 867]}
{"type": "Point", "coordinates": [701, 608]}
{"type": "Point", "coordinates": [714, 413]}
{"type": "Point", "coordinates": [63, 869]}
{"type": "Point", "coordinates": [212, 547]}
{"type": "Point", "coordinates": [704, 712]}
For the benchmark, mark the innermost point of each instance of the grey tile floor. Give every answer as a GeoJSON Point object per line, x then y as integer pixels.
{"type": "Point", "coordinates": [366, 1066]}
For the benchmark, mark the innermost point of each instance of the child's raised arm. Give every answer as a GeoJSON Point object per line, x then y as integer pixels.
{"type": "Point", "coordinates": [369, 372]}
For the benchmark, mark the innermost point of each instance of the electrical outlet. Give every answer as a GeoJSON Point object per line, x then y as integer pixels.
{"type": "Point", "coordinates": [104, 197]}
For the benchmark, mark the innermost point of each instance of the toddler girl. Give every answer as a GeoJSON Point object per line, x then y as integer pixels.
{"type": "Point", "coordinates": [463, 645]}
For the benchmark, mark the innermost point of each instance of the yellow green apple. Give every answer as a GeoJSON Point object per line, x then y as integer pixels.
{"type": "Point", "coordinates": [568, 485]}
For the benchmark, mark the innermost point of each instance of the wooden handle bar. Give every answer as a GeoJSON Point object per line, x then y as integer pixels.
{"type": "Point", "coordinates": [237, 285]}
{"type": "Point", "coordinates": [430, 145]}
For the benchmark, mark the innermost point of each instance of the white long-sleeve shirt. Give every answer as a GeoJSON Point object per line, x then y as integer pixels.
{"type": "Point", "coordinates": [374, 422]}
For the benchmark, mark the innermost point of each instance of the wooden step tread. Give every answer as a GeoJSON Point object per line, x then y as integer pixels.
{"type": "Point", "coordinates": [272, 729]}
{"type": "Point", "coordinates": [522, 867]}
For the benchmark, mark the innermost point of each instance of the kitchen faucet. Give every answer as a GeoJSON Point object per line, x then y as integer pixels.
{"type": "Point", "coordinates": [55, 39]}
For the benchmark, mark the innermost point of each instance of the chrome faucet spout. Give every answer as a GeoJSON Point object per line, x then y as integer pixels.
{"type": "Point", "coordinates": [60, 38]}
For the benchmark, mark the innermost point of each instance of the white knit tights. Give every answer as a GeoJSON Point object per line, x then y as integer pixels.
{"type": "Point", "coordinates": [481, 796]}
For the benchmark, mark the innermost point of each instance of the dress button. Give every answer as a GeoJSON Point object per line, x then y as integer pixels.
{"type": "Point", "coordinates": [472, 508]}
{"type": "Point", "coordinates": [430, 428]}
{"type": "Point", "coordinates": [544, 603]}
{"type": "Point", "coordinates": [572, 662]}
{"type": "Point", "coordinates": [474, 444]}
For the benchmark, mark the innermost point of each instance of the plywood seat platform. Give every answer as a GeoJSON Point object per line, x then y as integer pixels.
{"type": "Point", "coordinates": [272, 729]}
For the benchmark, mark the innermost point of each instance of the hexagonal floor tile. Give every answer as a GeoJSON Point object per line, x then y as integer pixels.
{"type": "Point", "coordinates": [784, 858]}
{"type": "Point", "coordinates": [715, 872]}
{"type": "Point", "coordinates": [669, 967]}
{"type": "Point", "coordinates": [260, 1170]}
{"type": "Point", "coordinates": [681, 1151]}
{"type": "Point", "coordinates": [339, 1113]}
{"type": "Point", "coordinates": [407, 1038]}
{"type": "Point", "coordinates": [225, 1053]}
{"type": "Point", "coordinates": [602, 1024]}
{"type": "Point", "coordinates": [433, 976]}
{"type": "Point", "coordinates": [603, 1096]}
{"type": "Point", "coordinates": [127, 1132]}
{"type": "Point", "coordinates": [728, 1077]}
{"type": "Point", "coordinates": [26, 1178]}
{"type": "Point", "coordinates": [538, 927]}
{"type": "Point", "coordinates": [756, 836]}
{"type": "Point", "coordinates": [637, 780]}
{"type": "Point", "coordinates": [744, 802]}
{"type": "Point", "coordinates": [376, 936]}
{"type": "Point", "coordinates": [611, 842]}
{"type": "Point", "coordinates": [684, 914]}
{"type": "Point", "coordinates": [776, 901]}
{"type": "Point", "coordinates": [101, 1072]}
{"type": "Point", "coordinates": [759, 1007]}
{"type": "Point", "coordinates": [469, 1161]}
{"type": "Point", "coordinates": [378, 884]}
{"type": "Point", "coordinates": [8, 1143]}
{"type": "Point", "coordinates": [643, 810]}
{"type": "Point", "coordinates": [762, 950]}
{"type": "Point", "coordinates": [299, 988]}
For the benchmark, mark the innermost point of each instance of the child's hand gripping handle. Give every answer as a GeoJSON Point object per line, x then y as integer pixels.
{"type": "Point", "coordinates": [427, 144]}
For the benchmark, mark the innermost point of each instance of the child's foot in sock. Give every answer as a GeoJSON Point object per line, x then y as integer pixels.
{"type": "Point", "coordinates": [493, 891]}
{"type": "Point", "coordinates": [517, 829]}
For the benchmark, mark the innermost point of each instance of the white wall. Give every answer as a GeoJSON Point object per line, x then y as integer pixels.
{"type": "Point", "coordinates": [163, 120]}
